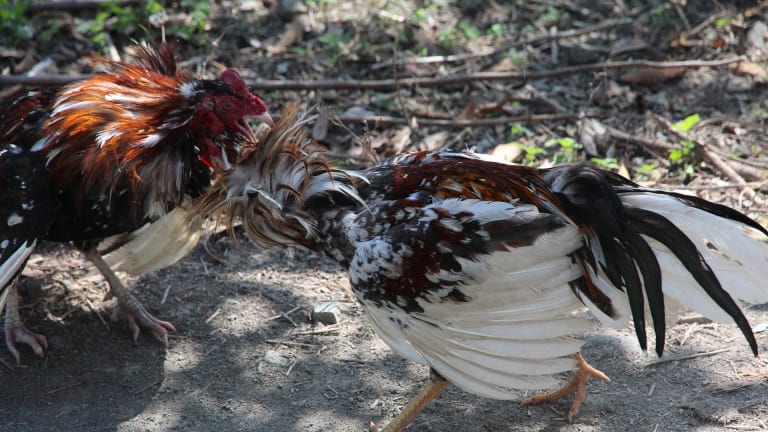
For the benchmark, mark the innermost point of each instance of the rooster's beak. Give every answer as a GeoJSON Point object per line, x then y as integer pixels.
{"type": "Point", "coordinates": [266, 118]}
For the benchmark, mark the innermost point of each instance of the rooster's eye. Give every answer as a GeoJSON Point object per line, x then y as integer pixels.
{"type": "Point", "coordinates": [228, 105]}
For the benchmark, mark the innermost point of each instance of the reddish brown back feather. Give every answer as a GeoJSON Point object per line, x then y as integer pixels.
{"type": "Point", "coordinates": [124, 105]}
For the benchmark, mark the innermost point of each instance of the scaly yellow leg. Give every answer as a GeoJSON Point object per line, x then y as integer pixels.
{"type": "Point", "coordinates": [429, 392]}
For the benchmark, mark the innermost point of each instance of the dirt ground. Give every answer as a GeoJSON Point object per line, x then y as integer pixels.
{"type": "Point", "coordinates": [246, 355]}
{"type": "Point", "coordinates": [214, 375]}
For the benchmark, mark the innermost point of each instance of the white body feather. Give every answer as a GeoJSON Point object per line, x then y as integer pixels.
{"type": "Point", "coordinates": [156, 245]}
{"type": "Point", "coordinates": [11, 266]}
{"type": "Point", "coordinates": [517, 330]}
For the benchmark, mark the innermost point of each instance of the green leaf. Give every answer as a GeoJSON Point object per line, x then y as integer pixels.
{"type": "Point", "coordinates": [469, 30]}
{"type": "Point", "coordinates": [723, 21]}
{"type": "Point", "coordinates": [675, 155]}
{"type": "Point", "coordinates": [518, 129]}
{"type": "Point", "coordinates": [606, 163]}
{"type": "Point", "coordinates": [687, 123]}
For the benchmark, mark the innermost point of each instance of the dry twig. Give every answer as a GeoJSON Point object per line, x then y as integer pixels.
{"type": "Point", "coordinates": [448, 123]}
{"type": "Point", "coordinates": [440, 81]}
{"type": "Point", "coordinates": [685, 357]}
{"type": "Point", "coordinates": [548, 37]}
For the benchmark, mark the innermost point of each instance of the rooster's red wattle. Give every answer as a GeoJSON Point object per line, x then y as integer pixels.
{"type": "Point", "coordinates": [478, 268]}
{"type": "Point", "coordinates": [104, 157]}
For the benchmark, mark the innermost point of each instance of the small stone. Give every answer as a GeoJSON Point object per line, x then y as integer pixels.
{"type": "Point", "coordinates": [756, 34]}
{"type": "Point", "coordinates": [273, 357]}
{"type": "Point", "coordinates": [330, 312]}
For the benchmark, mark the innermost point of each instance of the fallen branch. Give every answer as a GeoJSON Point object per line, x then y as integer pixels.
{"type": "Point", "coordinates": [754, 185]}
{"type": "Point", "coordinates": [448, 123]}
{"type": "Point", "coordinates": [393, 84]}
{"type": "Point", "coordinates": [327, 329]}
{"type": "Point", "coordinates": [466, 78]}
{"type": "Point", "coordinates": [511, 44]}
{"type": "Point", "coordinates": [685, 357]}
{"type": "Point", "coordinates": [655, 147]}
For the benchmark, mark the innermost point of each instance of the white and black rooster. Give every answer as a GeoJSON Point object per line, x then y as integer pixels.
{"type": "Point", "coordinates": [478, 268]}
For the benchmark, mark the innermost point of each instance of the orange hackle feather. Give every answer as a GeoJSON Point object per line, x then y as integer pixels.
{"type": "Point", "coordinates": [102, 128]}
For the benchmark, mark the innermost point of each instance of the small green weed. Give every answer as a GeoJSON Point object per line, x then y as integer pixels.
{"type": "Point", "coordinates": [606, 163]}
{"type": "Point", "coordinates": [13, 22]}
{"type": "Point", "coordinates": [568, 149]}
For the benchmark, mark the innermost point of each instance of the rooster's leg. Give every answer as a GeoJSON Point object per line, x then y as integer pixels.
{"type": "Point", "coordinates": [577, 384]}
{"type": "Point", "coordinates": [128, 306]}
{"type": "Point", "coordinates": [15, 331]}
{"type": "Point", "coordinates": [429, 392]}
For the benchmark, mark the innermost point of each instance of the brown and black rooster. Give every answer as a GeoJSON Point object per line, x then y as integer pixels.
{"type": "Point", "coordinates": [477, 268]}
{"type": "Point", "coordinates": [105, 158]}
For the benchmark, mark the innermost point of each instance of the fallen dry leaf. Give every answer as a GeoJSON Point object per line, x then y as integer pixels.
{"type": "Point", "coordinates": [750, 68]}
{"type": "Point", "coordinates": [469, 112]}
{"type": "Point", "coordinates": [508, 152]}
{"type": "Point", "coordinates": [649, 75]}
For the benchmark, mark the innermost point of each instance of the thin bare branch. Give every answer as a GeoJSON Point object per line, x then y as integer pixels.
{"type": "Point", "coordinates": [511, 44]}
{"type": "Point", "coordinates": [441, 81]}
{"type": "Point", "coordinates": [685, 357]}
{"type": "Point", "coordinates": [449, 123]}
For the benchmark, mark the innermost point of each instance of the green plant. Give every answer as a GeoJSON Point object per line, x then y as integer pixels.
{"type": "Point", "coordinates": [532, 153]}
{"type": "Point", "coordinates": [659, 16]}
{"type": "Point", "coordinates": [517, 58]}
{"type": "Point", "coordinates": [316, 3]}
{"type": "Point", "coordinates": [517, 130]}
{"type": "Point", "coordinates": [463, 32]}
{"type": "Point", "coordinates": [130, 18]}
{"type": "Point", "coordinates": [13, 22]}
{"type": "Point", "coordinates": [199, 12]}
{"type": "Point", "coordinates": [647, 168]}
{"type": "Point", "coordinates": [421, 14]}
{"type": "Point", "coordinates": [687, 123]}
{"type": "Point", "coordinates": [332, 42]}
{"type": "Point", "coordinates": [553, 16]}
{"type": "Point", "coordinates": [686, 147]}
{"type": "Point", "coordinates": [606, 163]}
{"type": "Point", "coordinates": [568, 149]}
{"type": "Point", "coordinates": [447, 37]}
{"type": "Point", "coordinates": [468, 30]}
{"type": "Point", "coordinates": [370, 329]}
{"type": "Point", "coordinates": [759, 113]}
{"type": "Point", "coordinates": [685, 150]}
{"type": "Point", "coordinates": [723, 21]}
{"type": "Point", "coordinates": [497, 30]}
{"type": "Point", "coordinates": [111, 16]}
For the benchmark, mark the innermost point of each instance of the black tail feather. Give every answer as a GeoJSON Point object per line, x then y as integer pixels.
{"type": "Point", "coordinates": [651, 272]}
{"type": "Point", "coordinates": [589, 197]}
{"type": "Point", "coordinates": [661, 229]}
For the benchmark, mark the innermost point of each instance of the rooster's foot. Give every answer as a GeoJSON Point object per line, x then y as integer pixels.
{"type": "Point", "coordinates": [128, 306]}
{"type": "Point", "coordinates": [577, 384]}
{"type": "Point", "coordinates": [131, 309]}
{"type": "Point", "coordinates": [17, 332]}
